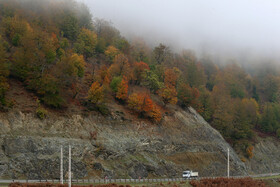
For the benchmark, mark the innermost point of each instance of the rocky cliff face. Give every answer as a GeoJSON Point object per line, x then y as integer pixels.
{"type": "Point", "coordinates": [112, 146]}
{"type": "Point", "coordinates": [266, 157]}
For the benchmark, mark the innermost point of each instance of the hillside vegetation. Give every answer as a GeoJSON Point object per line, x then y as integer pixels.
{"type": "Point", "coordinates": [63, 55]}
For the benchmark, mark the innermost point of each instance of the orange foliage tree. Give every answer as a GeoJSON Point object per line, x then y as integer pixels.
{"type": "Point", "coordinates": [143, 104]}
{"type": "Point", "coordinates": [135, 102]}
{"type": "Point", "coordinates": [122, 89]}
{"type": "Point", "coordinates": [103, 75]}
{"type": "Point", "coordinates": [155, 113]}
{"type": "Point", "coordinates": [171, 76]}
{"type": "Point", "coordinates": [249, 151]}
{"type": "Point", "coordinates": [169, 93]}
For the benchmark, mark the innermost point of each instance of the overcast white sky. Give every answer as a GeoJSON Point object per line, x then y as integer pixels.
{"type": "Point", "coordinates": [217, 25]}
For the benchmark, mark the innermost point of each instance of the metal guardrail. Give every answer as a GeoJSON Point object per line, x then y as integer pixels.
{"type": "Point", "coordinates": [104, 181]}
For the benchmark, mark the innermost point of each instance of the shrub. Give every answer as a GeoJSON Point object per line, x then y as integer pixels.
{"type": "Point", "coordinates": [41, 113]}
{"type": "Point", "coordinates": [249, 151]}
{"type": "Point", "coordinates": [228, 182]}
{"type": "Point", "coordinates": [99, 107]}
{"type": "Point", "coordinates": [103, 109]}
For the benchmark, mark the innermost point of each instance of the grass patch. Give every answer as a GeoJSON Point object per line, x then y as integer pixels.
{"type": "Point", "coordinates": [268, 177]}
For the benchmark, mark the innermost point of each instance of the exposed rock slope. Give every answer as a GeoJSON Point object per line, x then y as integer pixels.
{"type": "Point", "coordinates": [112, 146]}
{"type": "Point", "coordinates": [266, 157]}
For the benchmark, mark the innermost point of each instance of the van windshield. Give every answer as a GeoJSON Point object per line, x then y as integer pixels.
{"type": "Point", "coordinates": [186, 172]}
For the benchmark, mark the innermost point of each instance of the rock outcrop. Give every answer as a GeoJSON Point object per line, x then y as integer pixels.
{"type": "Point", "coordinates": [112, 146]}
{"type": "Point", "coordinates": [266, 156]}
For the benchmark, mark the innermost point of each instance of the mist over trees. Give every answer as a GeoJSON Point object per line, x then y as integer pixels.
{"type": "Point", "coordinates": [65, 56]}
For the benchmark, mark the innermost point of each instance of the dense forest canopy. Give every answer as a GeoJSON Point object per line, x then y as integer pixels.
{"type": "Point", "coordinates": [62, 54]}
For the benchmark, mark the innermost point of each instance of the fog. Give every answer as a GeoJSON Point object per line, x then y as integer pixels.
{"type": "Point", "coordinates": [243, 28]}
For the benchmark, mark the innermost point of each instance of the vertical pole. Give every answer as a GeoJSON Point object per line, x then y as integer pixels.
{"type": "Point", "coordinates": [69, 172]}
{"type": "Point", "coordinates": [61, 165]}
{"type": "Point", "coordinates": [228, 164]}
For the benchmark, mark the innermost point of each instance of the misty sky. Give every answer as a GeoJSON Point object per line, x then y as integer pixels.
{"type": "Point", "coordinates": [244, 26]}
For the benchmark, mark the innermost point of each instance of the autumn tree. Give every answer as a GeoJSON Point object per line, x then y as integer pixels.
{"type": "Point", "coordinates": [250, 108]}
{"type": "Point", "coordinates": [120, 67]}
{"type": "Point", "coordinates": [195, 74]}
{"type": "Point", "coordinates": [70, 67]}
{"type": "Point", "coordinates": [151, 80]}
{"type": "Point", "coordinates": [272, 88]}
{"type": "Point", "coordinates": [69, 70]}
{"type": "Point", "coordinates": [139, 69]}
{"type": "Point", "coordinates": [49, 90]}
{"type": "Point", "coordinates": [171, 76]}
{"type": "Point", "coordinates": [15, 28]}
{"type": "Point", "coordinates": [249, 151]}
{"type": "Point", "coordinates": [155, 114]}
{"type": "Point", "coordinates": [69, 25]}
{"type": "Point", "coordinates": [122, 44]}
{"type": "Point", "coordinates": [142, 104]}
{"type": "Point", "coordinates": [135, 102]}
{"type": "Point", "coordinates": [84, 16]}
{"type": "Point", "coordinates": [188, 96]}
{"type": "Point", "coordinates": [161, 53]}
{"type": "Point", "coordinates": [168, 95]}
{"type": "Point", "coordinates": [122, 89]}
{"type": "Point", "coordinates": [100, 46]}
{"type": "Point", "coordinates": [106, 31]}
{"type": "Point", "coordinates": [103, 75]}
{"type": "Point", "coordinates": [140, 50]}
{"type": "Point", "coordinates": [244, 121]}
{"type": "Point", "coordinates": [206, 106]}
{"type": "Point", "coordinates": [234, 78]}
{"type": "Point", "coordinates": [211, 70]}
{"type": "Point", "coordinates": [270, 117]}
{"type": "Point", "coordinates": [115, 83]}
{"type": "Point", "coordinates": [86, 43]}
{"type": "Point", "coordinates": [111, 52]}
{"type": "Point", "coordinates": [95, 93]}
{"type": "Point", "coordinates": [223, 107]}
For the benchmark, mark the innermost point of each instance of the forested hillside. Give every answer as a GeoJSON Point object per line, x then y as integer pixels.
{"type": "Point", "coordinates": [64, 55]}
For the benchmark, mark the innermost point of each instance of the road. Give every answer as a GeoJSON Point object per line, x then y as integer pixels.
{"type": "Point", "coordinates": [96, 181]}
